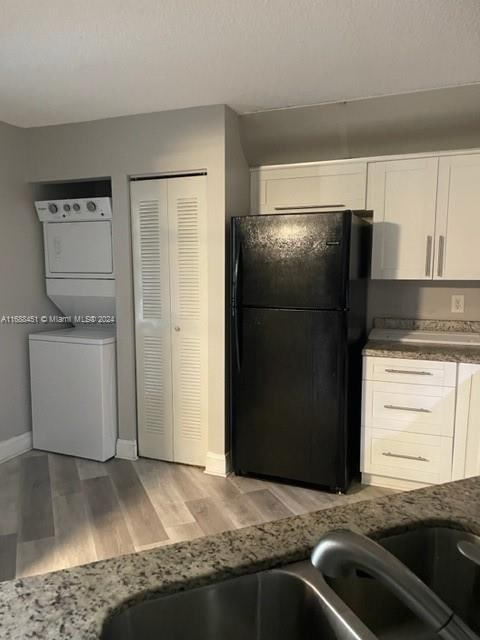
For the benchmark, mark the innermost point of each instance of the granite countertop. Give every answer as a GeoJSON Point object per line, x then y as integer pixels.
{"type": "Point", "coordinates": [425, 351]}
{"type": "Point", "coordinates": [442, 352]}
{"type": "Point", "coordinates": [73, 604]}
{"type": "Point", "coordinates": [415, 324]}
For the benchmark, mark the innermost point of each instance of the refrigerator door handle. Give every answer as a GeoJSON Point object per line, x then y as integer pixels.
{"type": "Point", "coordinates": [235, 279]}
{"type": "Point", "coordinates": [235, 303]}
{"type": "Point", "coordinates": [236, 331]}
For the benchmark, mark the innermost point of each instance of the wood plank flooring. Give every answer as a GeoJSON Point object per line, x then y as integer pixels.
{"type": "Point", "coordinates": [57, 511]}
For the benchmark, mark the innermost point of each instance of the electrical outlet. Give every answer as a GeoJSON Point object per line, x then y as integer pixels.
{"type": "Point", "coordinates": [458, 303]}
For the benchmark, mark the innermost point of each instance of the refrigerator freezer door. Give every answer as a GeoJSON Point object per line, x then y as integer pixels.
{"type": "Point", "coordinates": [296, 261]}
{"type": "Point", "coordinates": [289, 395]}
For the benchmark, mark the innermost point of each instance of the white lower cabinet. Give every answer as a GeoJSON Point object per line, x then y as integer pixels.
{"type": "Point", "coordinates": [407, 427]}
{"type": "Point", "coordinates": [466, 459]}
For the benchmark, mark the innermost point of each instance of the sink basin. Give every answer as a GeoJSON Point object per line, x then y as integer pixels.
{"type": "Point", "coordinates": [294, 602]}
{"type": "Point", "coordinates": [281, 604]}
{"type": "Point", "coordinates": [432, 554]}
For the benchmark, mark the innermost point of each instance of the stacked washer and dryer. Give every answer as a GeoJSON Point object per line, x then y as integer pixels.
{"type": "Point", "coordinates": [73, 370]}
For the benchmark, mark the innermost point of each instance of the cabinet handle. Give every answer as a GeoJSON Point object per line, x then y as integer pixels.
{"type": "Point", "coordinates": [389, 454]}
{"type": "Point", "coordinates": [399, 408]}
{"type": "Point", "coordinates": [310, 206]}
{"type": "Point", "coordinates": [177, 328]}
{"type": "Point", "coordinates": [406, 372]}
{"type": "Point", "coordinates": [441, 248]}
{"type": "Point", "coordinates": [428, 259]}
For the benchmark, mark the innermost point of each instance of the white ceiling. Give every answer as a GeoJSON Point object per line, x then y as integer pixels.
{"type": "Point", "coordinates": [73, 60]}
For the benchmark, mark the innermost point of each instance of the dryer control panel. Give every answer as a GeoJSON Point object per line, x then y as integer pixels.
{"type": "Point", "coordinates": [78, 210]}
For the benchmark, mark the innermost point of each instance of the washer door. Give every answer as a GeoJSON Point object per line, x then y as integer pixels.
{"type": "Point", "coordinates": [79, 248]}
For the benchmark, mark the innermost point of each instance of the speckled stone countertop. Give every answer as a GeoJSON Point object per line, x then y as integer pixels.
{"type": "Point", "coordinates": [425, 351]}
{"type": "Point", "coordinates": [74, 603]}
{"type": "Point", "coordinates": [444, 353]}
{"type": "Point", "coordinates": [456, 326]}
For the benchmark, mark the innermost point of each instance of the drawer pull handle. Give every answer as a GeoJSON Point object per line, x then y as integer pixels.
{"type": "Point", "coordinates": [310, 206]}
{"type": "Point", "coordinates": [399, 408]}
{"type": "Point", "coordinates": [410, 373]}
{"type": "Point", "coordinates": [389, 454]}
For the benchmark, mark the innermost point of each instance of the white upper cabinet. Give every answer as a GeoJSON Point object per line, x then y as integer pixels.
{"type": "Point", "coordinates": [457, 255]}
{"type": "Point", "coordinates": [426, 217]}
{"type": "Point", "coordinates": [425, 208]}
{"type": "Point", "coordinates": [294, 189]}
{"type": "Point", "coordinates": [402, 194]}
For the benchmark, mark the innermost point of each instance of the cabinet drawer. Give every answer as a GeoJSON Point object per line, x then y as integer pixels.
{"type": "Point", "coordinates": [409, 407]}
{"type": "Point", "coordinates": [405, 370]}
{"type": "Point", "coordinates": [407, 455]}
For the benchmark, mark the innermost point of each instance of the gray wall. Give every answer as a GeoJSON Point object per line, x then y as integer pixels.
{"type": "Point", "coordinates": [22, 283]}
{"type": "Point", "coordinates": [425, 121]}
{"type": "Point", "coordinates": [237, 174]}
{"type": "Point", "coordinates": [237, 192]}
{"type": "Point", "coordinates": [170, 141]}
{"type": "Point", "coordinates": [410, 123]}
{"type": "Point", "coordinates": [406, 299]}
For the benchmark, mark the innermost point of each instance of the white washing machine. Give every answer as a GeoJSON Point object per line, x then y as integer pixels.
{"type": "Point", "coordinates": [73, 387]}
{"type": "Point", "coordinates": [72, 371]}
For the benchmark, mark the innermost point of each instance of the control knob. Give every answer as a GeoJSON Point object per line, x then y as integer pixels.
{"type": "Point", "coordinates": [66, 207]}
{"type": "Point", "coordinates": [52, 208]}
{"type": "Point", "coordinates": [76, 206]}
{"type": "Point", "coordinates": [91, 206]}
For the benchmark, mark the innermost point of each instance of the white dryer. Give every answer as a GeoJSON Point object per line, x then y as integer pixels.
{"type": "Point", "coordinates": [73, 387]}
{"type": "Point", "coordinates": [77, 237]}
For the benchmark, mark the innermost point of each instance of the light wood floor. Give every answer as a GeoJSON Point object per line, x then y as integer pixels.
{"type": "Point", "coordinates": [57, 511]}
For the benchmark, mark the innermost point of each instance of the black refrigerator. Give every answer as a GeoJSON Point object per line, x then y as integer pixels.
{"type": "Point", "coordinates": [297, 327]}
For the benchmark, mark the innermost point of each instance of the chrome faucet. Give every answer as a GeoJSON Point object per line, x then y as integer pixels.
{"type": "Point", "coordinates": [341, 553]}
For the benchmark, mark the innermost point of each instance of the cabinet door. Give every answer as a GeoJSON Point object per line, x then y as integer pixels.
{"type": "Point", "coordinates": [150, 234]}
{"type": "Point", "coordinates": [466, 459]}
{"type": "Point", "coordinates": [309, 188]}
{"type": "Point", "coordinates": [402, 194]}
{"type": "Point", "coordinates": [187, 212]}
{"type": "Point", "coordinates": [458, 220]}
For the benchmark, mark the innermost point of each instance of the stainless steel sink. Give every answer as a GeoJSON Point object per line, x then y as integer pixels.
{"type": "Point", "coordinates": [432, 554]}
{"type": "Point", "coordinates": [282, 604]}
{"type": "Point", "coordinates": [295, 602]}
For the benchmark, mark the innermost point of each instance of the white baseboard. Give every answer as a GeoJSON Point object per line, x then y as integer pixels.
{"type": "Point", "coordinates": [15, 446]}
{"type": "Point", "coordinates": [126, 449]}
{"type": "Point", "coordinates": [218, 464]}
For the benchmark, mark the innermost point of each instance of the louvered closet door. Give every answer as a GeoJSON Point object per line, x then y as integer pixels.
{"type": "Point", "coordinates": [188, 272]}
{"type": "Point", "coordinates": [150, 233]}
